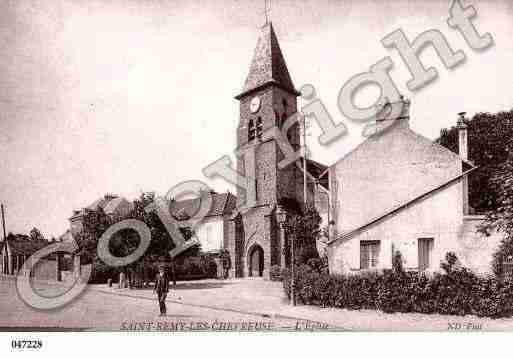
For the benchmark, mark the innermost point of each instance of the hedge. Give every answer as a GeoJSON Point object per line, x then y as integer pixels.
{"type": "Point", "coordinates": [456, 291]}
{"type": "Point", "coordinates": [196, 267]}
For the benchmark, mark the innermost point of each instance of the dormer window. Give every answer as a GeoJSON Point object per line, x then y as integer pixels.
{"type": "Point", "coordinates": [259, 127]}
{"type": "Point", "coordinates": [251, 130]}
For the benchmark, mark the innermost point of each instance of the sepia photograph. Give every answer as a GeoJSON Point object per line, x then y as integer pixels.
{"type": "Point", "coordinates": [266, 166]}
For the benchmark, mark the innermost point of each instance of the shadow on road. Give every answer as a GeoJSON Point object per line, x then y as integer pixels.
{"type": "Point", "coordinates": [200, 285]}
{"type": "Point", "coordinates": [190, 285]}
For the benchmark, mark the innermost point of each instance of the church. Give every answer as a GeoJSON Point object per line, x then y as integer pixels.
{"type": "Point", "coordinates": [251, 234]}
{"type": "Point", "coordinates": [396, 191]}
{"type": "Point", "coordinates": [255, 241]}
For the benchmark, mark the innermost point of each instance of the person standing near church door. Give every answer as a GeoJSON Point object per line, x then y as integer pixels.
{"type": "Point", "coordinates": [161, 288]}
{"type": "Point", "coordinates": [226, 262]}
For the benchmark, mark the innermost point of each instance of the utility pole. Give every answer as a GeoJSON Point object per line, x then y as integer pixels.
{"type": "Point", "coordinates": [293, 272]}
{"type": "Point", "coordinates": [3, 221]}
{"type": "Point", "coordinates": [293, 236]}
{"type": "Point", "coordinates": [304, 161]}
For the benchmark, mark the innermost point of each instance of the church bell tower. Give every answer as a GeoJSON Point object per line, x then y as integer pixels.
{"type": "Point", "coordinates": [267, 99]}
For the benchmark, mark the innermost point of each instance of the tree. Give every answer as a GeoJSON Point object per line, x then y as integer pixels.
{"type": "Point", "coordinates": [94, 224]}
{"type": "Point", "coordinates": [397, 262]}
{"type": "Point", "coordinates": [502, 216]}
{"type": "Point", "coordinates": [36, 235]}
{"type": "Point", "coordinates": [487, 150]}
{"type": "Point", "coordinates": [126, 241]}
{"type": "Point", "coordinates": [304, 229]}
{"type": "Point", "coordinates": [502, 184]}
{"type": "Point", "coordinates": [17, 237]}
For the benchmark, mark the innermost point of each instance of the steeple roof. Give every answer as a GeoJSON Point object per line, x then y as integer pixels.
{"type": "Point", "coordinates": [268, 65]}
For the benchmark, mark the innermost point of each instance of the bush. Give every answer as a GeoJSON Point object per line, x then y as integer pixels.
{"type": "Point", "coordinates": [457, 291]}
{"type": "Point", "coordinates": [397, 262]}
{"type": "Point", "coordinates": [503, 254]}
{"type": "Point", "coordinates": [101, 272]}
{"type": "Point", "coordinates": [196, 267]}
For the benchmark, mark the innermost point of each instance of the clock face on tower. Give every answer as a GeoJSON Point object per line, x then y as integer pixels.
{"type": "Point", "coordinates": [254, 105]}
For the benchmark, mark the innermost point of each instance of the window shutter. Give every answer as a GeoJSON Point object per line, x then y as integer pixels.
{"type": "Point", "coordinates": [424, 248]}
{"type": "Point", "coordinates": [375, 254]}
{"type": "Point", "coordinates": [364, 256]}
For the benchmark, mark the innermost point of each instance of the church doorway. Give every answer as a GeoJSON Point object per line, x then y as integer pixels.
{"type": "Point", "coordinates": [256, 261]}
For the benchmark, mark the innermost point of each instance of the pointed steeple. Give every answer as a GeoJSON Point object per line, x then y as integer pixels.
{"type": "Point", "coordinates": [268, 65]}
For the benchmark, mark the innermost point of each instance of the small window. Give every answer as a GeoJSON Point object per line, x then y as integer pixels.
{"type": "Point", "coordinates": [425, 249]}
{"type": "Point", "coordinates": [369, 254]}
{"type": "Point", "coordinates": [251, 130]}
{"type": "Point", "coordinates": [259, 127]}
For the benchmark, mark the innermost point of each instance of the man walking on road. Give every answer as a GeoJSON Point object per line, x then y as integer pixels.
{"type": "Point", "coordinates": [161, 288]}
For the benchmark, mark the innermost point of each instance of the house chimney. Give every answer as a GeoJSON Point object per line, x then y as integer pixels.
{"type": "Point", "coordinates": [399, 110]}
{"type": "Point", "coordinates": [462, 135]}
{"type": "Point", "coordinates": [463, 151]}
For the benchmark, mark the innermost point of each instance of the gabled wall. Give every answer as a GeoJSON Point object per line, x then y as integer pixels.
{"type": "Point", "coordinates": [385, 171]}
{"type": "Point", "coordinates": [438, 216]}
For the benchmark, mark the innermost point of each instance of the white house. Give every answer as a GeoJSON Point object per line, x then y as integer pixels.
{"type": "Point", "coordinates": [400, 191]}
{"type": "Point", "coordinates": [212, 232]}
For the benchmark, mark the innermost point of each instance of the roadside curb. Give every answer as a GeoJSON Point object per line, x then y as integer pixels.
{"type": "Point", "coordinates": [212, 307]}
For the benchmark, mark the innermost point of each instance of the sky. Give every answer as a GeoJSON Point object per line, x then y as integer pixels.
{"type": "Point", "coordinates": [124, 96]}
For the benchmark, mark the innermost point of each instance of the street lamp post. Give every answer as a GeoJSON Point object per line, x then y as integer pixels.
{"type": "Point", "coordinates": [293, 272]}
{"type": "Point", "coordinates": [281, 216]}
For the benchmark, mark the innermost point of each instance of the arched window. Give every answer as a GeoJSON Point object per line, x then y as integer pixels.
{"type": "Point", "coordinates": [259, 127]}
{"type": "Point", "coordinates": [251, 130]}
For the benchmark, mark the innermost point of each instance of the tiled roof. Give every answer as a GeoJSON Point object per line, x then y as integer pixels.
{"type": "Point", "coordinates": [118, 205]}
{"type": "Point", "coordinates": [222, 203]}
{"type": "Point", "coordinates": [110, 204]}
{"type": "Point", "coordinates": [268, 65]}
{"type": "Point", "coordinates": [99, 203]}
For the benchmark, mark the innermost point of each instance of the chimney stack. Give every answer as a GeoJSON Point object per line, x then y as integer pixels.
{"type": "Point", "coordinates": [463, 151]}
{"type": "Point", "coordinates": [399, 110]}
{"type": "Point", "coordinates": [462, 135]}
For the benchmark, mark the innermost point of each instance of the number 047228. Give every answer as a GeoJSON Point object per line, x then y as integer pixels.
{"type": "Point", "coordinates": [26, 344]}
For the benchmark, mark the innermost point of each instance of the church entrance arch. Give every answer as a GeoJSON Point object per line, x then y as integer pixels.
{"type": "Point", "coordinates": [256, 261]}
